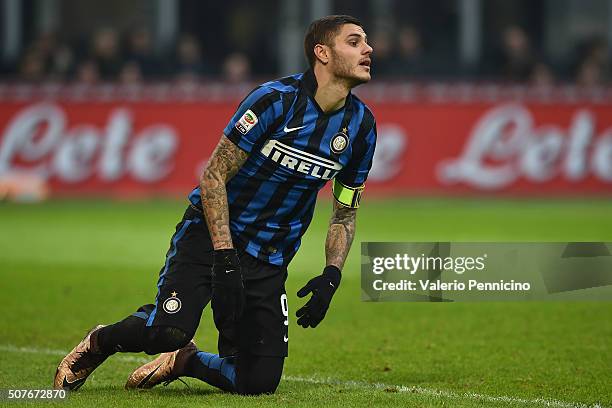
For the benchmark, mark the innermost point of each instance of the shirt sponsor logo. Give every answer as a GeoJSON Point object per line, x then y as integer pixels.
{"type": "Point", "coordinates": [246, 122]}
{"type": "Point", "coordinates": [297, 160]}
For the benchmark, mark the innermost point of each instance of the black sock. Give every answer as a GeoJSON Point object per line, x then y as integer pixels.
{"type": "Point", "coordinates": [212, 369]}
{"type": "Point", "coordinates": [123, 336]}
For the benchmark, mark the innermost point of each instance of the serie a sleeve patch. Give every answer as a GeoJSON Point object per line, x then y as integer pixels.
{"type": "Point", "coordinates": [246, 122]}
{"type": "Point", "coordinates": [347, 196]}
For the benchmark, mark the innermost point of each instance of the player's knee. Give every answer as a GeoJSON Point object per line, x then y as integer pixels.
{"type": "Point", "coordinates": [260, 385]}
{"type": "Point", "coordinates": [161, 339]}
{"type": "Point", "coordinates": [262, 381]}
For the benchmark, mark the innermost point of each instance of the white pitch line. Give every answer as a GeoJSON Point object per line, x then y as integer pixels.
{"type": "Point", "coordinates": [354, 384]}
{"type": "Point", "coordinates": [440, 393]}
{"type": "Point", "coordinates": [51, 352]}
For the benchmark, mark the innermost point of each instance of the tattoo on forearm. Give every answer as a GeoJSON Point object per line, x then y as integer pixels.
{"type": "Point", "coordinates": [224, 163]}
{"type": "Point", "coordinates": [340, 235]}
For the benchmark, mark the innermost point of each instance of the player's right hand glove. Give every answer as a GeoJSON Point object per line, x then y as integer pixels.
{"type": "Point", "coordinates": [227, 294]}
{"type": "Point", "coordinates": [323, 288]}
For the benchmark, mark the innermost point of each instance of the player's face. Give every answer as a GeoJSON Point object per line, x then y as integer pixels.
{"type": "Point", "coordinates": [350, 55]}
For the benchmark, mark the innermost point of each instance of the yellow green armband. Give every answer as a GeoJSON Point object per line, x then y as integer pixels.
{"type": "Point", "coordinates": [347, 196]}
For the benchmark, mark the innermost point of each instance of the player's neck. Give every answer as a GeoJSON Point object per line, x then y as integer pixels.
{"type": "Point", "coordinates": [331, 93]}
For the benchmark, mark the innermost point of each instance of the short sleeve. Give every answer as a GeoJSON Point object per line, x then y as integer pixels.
{"type": "Point", "coordinates": [355, 173]}
{"type": "Point", "coordinates": [254, 117]}
{"type": "Point", "coordinates": [350, 182]}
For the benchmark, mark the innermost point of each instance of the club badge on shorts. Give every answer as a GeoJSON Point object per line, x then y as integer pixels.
{"type": "Point", "coordinates": [172, 304]}
{"type": "Point", "coordinates": [339, 142]}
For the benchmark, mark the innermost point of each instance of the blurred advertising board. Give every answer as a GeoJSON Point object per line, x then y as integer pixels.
{"type": "Point", "coordinates": [146, 146]}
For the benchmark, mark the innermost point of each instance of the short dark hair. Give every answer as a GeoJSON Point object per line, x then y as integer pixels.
{"type": "Point", "coordinates": [323, 31]}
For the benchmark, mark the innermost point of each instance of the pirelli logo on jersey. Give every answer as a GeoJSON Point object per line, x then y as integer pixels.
{"type": "Point", "coordinates": [300, 161]}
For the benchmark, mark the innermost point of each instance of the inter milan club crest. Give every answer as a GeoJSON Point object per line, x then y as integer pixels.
{"type": "Point", "coordinates": [172, 304]}
{"type": "Point", "coordinates": [339, 142]}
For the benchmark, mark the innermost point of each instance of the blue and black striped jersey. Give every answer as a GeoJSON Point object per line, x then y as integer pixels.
{"type": "Point", "coordinates": [294, 149]}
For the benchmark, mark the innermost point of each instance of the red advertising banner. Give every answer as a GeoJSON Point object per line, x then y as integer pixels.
{"type": "Point", "coordinates": [511, 148]}
{"type": "Point", "coordinates": [122, 148]}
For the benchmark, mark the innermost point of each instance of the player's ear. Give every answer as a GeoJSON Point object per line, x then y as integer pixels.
{"type": "Point", "coordinates": [322, 53]}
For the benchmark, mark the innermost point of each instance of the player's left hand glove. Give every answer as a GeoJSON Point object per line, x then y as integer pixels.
{"type": "Point", "coordinates": [323, 288]}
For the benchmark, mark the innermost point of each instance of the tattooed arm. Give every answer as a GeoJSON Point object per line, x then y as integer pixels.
{"type": "Point", "coordinates": [340, 235]}
{"type": "Point", "coordinates": [339, 238]}
{"type": "Point", "coordinates": [224, 163]}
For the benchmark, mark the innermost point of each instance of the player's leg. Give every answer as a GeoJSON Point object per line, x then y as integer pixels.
{"type": "Point", "coordinates": [133, 335]}
{"type": "Point", "coordinates": [246, 374]}
{"type": "Point", "coordinates": [183, 286]}
{"type": "Point", "coordinates": [186, 362]}
{"type": "Point", "coordinates": [263, 335]}
{"type": "Point", "coordinates": [126, 335]}
{"type": "Point", "coordinates": [258, 374]}
{"type": "Point", "coordinates": [171, 325]}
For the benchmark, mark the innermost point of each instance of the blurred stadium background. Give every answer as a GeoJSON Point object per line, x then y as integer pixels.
{"type": "Point", "coordinates": [539, 42]}
{"type": "Point", "coordinates": [494, 121]}
{"type": "Point", "coordinates": [471, 97]}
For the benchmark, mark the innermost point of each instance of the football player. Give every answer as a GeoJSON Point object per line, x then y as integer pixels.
{"type": "Point", "coordinates": [243, 225]}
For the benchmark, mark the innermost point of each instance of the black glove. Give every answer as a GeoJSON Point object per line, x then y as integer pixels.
{"type": "Point", "coordinates": [323, 288]}
{"type": "Point", "coordinates": [227, 297]}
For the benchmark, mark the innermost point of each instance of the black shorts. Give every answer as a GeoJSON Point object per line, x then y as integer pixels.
{"type": "Point", "coordinates": [184, 290]}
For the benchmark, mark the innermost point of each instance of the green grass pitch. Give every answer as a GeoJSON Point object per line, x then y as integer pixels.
{"type": "Point", "coordinates": [67, 265]}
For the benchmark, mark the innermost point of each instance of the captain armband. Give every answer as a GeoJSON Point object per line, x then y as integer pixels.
{"type": "Point", "coordinates": [347, 196]}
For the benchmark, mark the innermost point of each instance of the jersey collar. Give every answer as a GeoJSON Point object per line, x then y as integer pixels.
{"type": "Point", "coordinates": [309, 85]}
